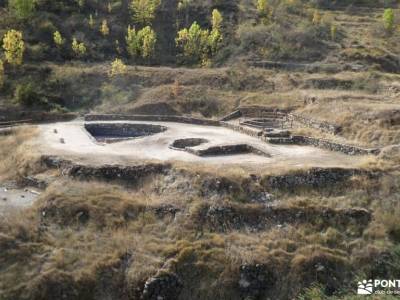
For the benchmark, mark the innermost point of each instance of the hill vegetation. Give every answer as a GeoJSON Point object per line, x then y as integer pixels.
{"type": "Point", "coordinates": [202, 231]}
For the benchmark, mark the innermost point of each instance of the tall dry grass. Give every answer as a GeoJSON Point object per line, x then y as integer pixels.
{"type": "Point", "coordinates": [17, 153]}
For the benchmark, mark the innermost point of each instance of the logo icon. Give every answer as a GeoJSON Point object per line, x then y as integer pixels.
{"type": "Point", "coordinates": [365, 287]}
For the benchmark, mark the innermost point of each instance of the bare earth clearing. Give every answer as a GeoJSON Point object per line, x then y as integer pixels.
{"type": "Point", "coordinates": [81, 146]}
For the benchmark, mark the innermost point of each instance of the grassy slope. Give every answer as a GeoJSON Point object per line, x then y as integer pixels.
{"type": "Point", "coordinates": [123, 241]}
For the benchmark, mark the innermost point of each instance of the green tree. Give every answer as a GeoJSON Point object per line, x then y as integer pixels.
{"type": "Point", "coordinates": [2, 74]}
{"type": "Point", "coordinates": [14, 47]}
{"type": "Point", "coordinates": [148, 39]}
{"type": "Point", "coordinates": [91, 21]}
{"type": "Point", "coordinates": [388, 19]}
{"type": "Point", "coordinates": [144, 10]}
{"type": "Point", "coordinates": [132, 42]}
{"type": "Point", "coordinates": [215, 37]}
{"type": "Point", "coordinates": [22, 9]}
{"type": "Point", "coordinates": [141, 43]}
{"type": "Point", "coordinates": [78, 48]}
{"type": "Point", "coordinates": [264, 10]}
{"type": "Point", "coordinates": [193, 42]}
{"type": "Point", "coordinates": [333, 32]}
{"type": "Point", "coordinates": [58, 39]}
{"type": "Point", "coordinates": [104, 29]}
{"type": "Point", "coordinates": [216, 19]}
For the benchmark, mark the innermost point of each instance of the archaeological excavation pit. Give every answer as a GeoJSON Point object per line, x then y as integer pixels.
{"type": "Point", "coordinates": [148, 140]}
{"type": "Point", "coordinates": [116, 132]}
{"type": "Point", "coordinates": [221, 150]}
{"type": "Point", "coordinates": [182, 144]}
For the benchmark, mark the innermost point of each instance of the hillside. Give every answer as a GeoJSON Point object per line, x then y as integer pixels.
{"type": "Point", "coordinates": [214, 149]}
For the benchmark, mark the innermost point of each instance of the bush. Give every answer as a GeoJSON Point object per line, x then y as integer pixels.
{"type": "Point", "coordinates": [26, 95]}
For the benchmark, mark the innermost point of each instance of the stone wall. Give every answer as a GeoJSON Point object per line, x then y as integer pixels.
{"type": "Point", "coordinates": [131, 174]}
{"type": "Point", "coordinates": [294, 119]}
{"type": "Point", "coordinates": [334, 146]}
{"type": "Point", "coordinates": [304, 140]}
{"type": "Point", "coordinates": [233, 115]}
{"type": "Point", "coordinates": [13, 117]}
{"type": "Point", "coordinates": [178, 119]}
{"type": "Point", "coordinates": [242, 129]}
{"type": "Point", "coordinates": [313, 178]}
{"type": "Point", "coordinates": [259, 111]}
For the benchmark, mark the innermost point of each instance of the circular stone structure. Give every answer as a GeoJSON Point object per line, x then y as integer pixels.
{"type": "Point", "coordinates": [115, 132]}
{"type": "Point", "coordinates": [80, 146]}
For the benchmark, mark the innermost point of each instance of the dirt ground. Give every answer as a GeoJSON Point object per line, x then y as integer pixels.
{"type": "Point", "coordinates": [81, 146]}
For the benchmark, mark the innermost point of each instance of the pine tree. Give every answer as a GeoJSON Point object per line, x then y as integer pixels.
{"type": "Point", "coordinates": [193, 42]}
{"type": "Point", "coordinates": [141, 43]}
{"type": "Point", "coordinates": [144, 10]}
{"type": "Point", "coordinates": [148, 41]}
{"type": "Point", "coordinates": [132, 42]}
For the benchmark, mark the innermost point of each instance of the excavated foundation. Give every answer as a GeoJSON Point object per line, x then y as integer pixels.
{"type": "Point", "coordinates": [115, 132]}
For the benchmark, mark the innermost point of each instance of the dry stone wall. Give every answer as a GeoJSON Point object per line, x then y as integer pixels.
{"type": "Point", "coordinates": [294, 119]}
{"type": "Point", "coordinates": [178, 119]}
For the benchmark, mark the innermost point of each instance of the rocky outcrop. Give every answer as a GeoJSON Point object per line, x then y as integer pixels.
{"type": "Point", "coordinates": [163, 286]}
{"type": "Point", "coordinates": [313, 178]}
{"type": "Point", "coordinates": [254, 280]}
{"type": "Point", "coordinates": [255, 218]}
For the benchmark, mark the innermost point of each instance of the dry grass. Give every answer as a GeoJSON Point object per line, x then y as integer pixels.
{"type": "Point", "coordinates": [92, 233]}
{"type": "Point", "coordinates": [17, 153]}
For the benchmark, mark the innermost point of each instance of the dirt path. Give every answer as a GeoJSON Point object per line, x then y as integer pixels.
{"type": "Point", "coordinates": [12, 198]}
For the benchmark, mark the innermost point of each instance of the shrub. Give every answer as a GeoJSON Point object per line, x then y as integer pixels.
{"type": "Point", "coordinates": [14, 47]}
{"type": "Point", "coordinates": [264, 11]}
{"type": "Point", "coordinates": [22, 9]}
{"type": "Point", "coordinates": [117, 68]}
{"type": "Point", "coordinates": [79, 49]}
{"type": "Point", "coordinates": [388, 19]}
{"type": "Point", "coordinates": [91, 21]}
{"type": "Point", "coordinates": [58, 39]}
{"type": "Point", "coordinates": [104, 29]}
{"type": "Point", "coordinates": [25, 94]}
